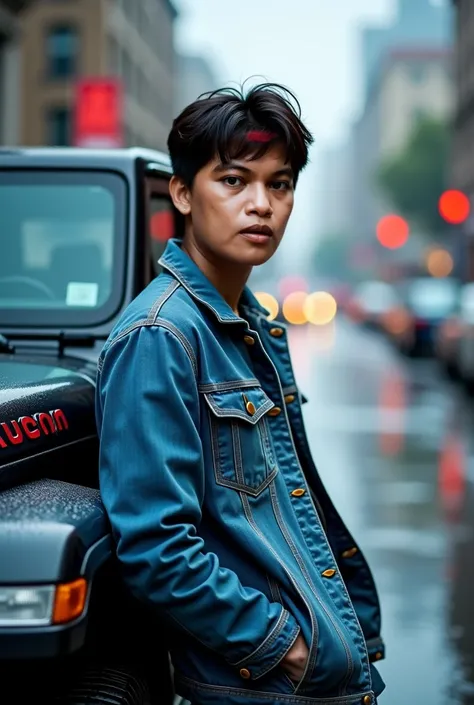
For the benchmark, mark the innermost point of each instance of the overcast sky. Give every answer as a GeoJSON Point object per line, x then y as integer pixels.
{"type": "Point", "coordinates": [309, 45]}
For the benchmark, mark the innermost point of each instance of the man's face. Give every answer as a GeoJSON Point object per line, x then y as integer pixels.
{"type": "Point", "coordinates": [226, 200]}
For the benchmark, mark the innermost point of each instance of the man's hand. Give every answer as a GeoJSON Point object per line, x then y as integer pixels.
{"type": "Point", "coordinates": [295, 660]}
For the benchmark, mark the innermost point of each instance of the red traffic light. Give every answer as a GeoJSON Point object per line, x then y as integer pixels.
{"type": "Point", "coordinates": [392, 231]}
{"type": "Point", "coordinates": [454, 206]}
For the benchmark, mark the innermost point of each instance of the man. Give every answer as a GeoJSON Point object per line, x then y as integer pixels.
{"type": "Point", "coordinates": [221, 521]}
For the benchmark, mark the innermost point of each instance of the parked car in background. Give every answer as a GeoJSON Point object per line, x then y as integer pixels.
{"type": "Point", "coordinates": [447, 340]}
{"type": "Point", "coordinates": [371, 302]}
{"type": "Point", "coordinates": [428, 302]}
{"type": "Point", "coordinates": [465, 354]}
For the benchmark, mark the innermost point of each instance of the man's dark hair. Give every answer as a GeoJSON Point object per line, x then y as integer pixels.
{"type": "Point", "coordinates": [231, 124]}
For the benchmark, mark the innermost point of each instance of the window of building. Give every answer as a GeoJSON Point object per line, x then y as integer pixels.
{"type": "Point", "coordinates": [62, 44]}
{"type": "Point", "coordinates": [417, 72]}
{"type": "Point", "coordinates": [58, 127]}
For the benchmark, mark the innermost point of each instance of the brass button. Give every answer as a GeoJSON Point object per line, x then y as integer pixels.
{"type": "Point", "coordinates": [330, 573]}
{"type": "Point", "coordinates": [276, 411]}
{"type": "Point", "coordinates": [350, 552]}
{"type": "Point", "coordinates": [276, 332]}
{"type": "Point", "coordinates": [249, 340]}
{"type": "Point", "coordinates": [366, 700]}
{"type": "Point", "coordinates": [378, 656]}
{"type": "Point", "coordinates": [298, 493]}
{"type": "Point", "coordinates": [250, 406]}
{"type": "Point", "coordinates": [245, 673]}
{"type": "Point", "coordinates": [289, 398]}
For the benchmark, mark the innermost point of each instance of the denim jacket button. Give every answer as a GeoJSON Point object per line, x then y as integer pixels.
{"type": "Point", "coordinates": [249, 340]}
{"type": "Point", "coordinates": [289, 398]}
{"type": "Point", "coordinates": [276, 332]}
{"type": "Point", "coordinates": [244, 673]}
{"type": "Point", "coordinates": [329, 573]}
{"type": "Point", "coordinates": [366, 700]}
{"type": "Point", "coordinates": [349, 553]}
{"type": "Point", "coordinates": [298, 493]}
{"type": "Point", "coordinates": [250, 406]}
{"type": "Point", "coordinates": [276, 411]}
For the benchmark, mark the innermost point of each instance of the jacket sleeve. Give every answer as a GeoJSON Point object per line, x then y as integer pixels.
{"type": "Point", "coordinates": [152, 483]}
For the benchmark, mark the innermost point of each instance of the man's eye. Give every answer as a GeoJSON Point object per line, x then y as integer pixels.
{"type": "Point", "coordinates": [281, 185]}
{"type": "Point", "coordinates": [232, 181]}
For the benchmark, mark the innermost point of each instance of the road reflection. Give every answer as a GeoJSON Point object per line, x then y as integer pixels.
{"type": "Point", "coordinates": [392, 441]}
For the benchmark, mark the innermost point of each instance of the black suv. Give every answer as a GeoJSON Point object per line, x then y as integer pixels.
{"type": "Point", "coordinates": [80, 235]}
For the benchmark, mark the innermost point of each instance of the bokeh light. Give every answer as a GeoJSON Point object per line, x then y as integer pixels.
{"type": "Point", "coordinates": [454, 206]}
{"type": "Point", "coordinates": [290, 284]}
{"type": "Point", "coordinates": [269, 302]}
{"type": "Point", "coordinates": [439, 263]}
{"type": "Point", "coordinates": [293, 308]}
{"type": "Point", "coordinates": [392, 231]}
{"type": "Point", "coordinates": [320, 308]}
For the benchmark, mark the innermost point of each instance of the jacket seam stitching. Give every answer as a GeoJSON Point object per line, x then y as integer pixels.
{"type": "Point", "coordinates": [229, 386]}
{"type": "Point", "coordinates": [269, 639]}
{"type": "Point", "coordinates": [159, 322]}
{"type": "Point", "coordinates": [161, 300]}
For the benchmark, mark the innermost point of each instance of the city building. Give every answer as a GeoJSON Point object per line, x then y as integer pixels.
{"type": "Point", "coordinates": [462, 163]}
{"type": "Point", "coordinates": [194, 76]}
{"type": "Point", "coordinates": [412, 83]}
{"type": "Point", "coordinates": [10, 11]}
{"type": "Point", "coordinates": [417, 23]}
{"type": "Point", "coordinates": [407, 74]}
{"type": "Point", "coordinates": [63, 41]}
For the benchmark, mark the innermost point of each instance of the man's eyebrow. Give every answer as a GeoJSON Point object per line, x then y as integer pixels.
{"type": "Point", "coordinates": [224, 166]}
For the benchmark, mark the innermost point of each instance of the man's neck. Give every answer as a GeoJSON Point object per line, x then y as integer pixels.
{"type": "Point", "coordinates": [228, 279]}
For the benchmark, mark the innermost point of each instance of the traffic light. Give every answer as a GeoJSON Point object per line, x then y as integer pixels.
{"type": "Point", "coordinates": [454, 206]}
{"type": "Point", "coordinates": [392, 231]}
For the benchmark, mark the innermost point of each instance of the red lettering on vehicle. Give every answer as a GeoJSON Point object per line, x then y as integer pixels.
{"type": "Point", "coordinates": [30, 427]}
{"type": "Point", "coordinates": [14, 438]}
{"type": "Point", "coordinates": [17, 431]}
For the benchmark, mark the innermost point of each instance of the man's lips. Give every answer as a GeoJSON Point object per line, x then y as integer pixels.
{"type": "Point", "coordinates": [258, 230]}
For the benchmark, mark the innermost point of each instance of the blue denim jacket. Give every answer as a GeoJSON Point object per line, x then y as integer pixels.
{"type": "Point", "coordinates": [220, 517]}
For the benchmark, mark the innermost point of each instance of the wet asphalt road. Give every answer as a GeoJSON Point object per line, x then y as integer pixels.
{"type": "Point", "coordinates": [392, 440]}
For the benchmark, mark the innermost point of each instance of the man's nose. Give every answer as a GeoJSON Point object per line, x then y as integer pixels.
{"type": "Point", "coordinates": [259, 202]}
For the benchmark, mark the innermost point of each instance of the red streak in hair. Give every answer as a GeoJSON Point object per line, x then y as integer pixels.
{"type": "Point", "coordinates": [260, 136]}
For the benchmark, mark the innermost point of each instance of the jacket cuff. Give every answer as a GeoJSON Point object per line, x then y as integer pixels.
{"type": "Point", "coordinates": [375, 649]}
{"type": "Point", "coordinates": [272, 650]}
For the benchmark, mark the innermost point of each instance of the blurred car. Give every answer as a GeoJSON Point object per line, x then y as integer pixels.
{"type": "Point", "coordinates": [465, 353]}
{"type": "Point", "coordinates": [428, 303]}
{"type": "Point", "coordinates": [371, 303]}
{"type": "Point", "coordinates": [447, 340]}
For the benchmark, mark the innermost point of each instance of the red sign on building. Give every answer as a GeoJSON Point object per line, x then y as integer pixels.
{"type": "Point", "coordinates": [98, 114]}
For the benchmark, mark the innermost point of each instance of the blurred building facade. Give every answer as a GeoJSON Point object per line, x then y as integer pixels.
{"type": "Point", "coordinates": [62, 41]}
{"type": "Point", "coordinates": [194, 75]}
{"type": "Point", "coordinates": [10, 11]}
{"type": "Point", "coordinates": [462, 163]}
{"type": "Point", "coordinates": [407, 76]}
{"type": "Point", "coordinates": [417, 23]}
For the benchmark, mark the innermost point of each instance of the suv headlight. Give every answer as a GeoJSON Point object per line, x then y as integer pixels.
{"type": "Point", "coordinates": [24, 605]}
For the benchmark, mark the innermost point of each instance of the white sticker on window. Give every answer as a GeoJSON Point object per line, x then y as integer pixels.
{"type": "Point", "coordinates": [82, 294]}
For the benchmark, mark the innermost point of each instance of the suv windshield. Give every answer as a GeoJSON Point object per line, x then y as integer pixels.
{"type": "Point", "coordinates": [62, 240]}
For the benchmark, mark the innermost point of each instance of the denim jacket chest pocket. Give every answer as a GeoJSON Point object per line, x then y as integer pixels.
{"type": "Point", "coordinates": [242, 450]}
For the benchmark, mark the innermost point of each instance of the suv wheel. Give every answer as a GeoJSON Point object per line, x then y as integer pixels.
{"type": "Point", "coordinates": [108, 685]}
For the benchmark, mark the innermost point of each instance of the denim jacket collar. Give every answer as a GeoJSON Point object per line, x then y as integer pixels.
{"type": "Point", "coordinates": [185, 270]}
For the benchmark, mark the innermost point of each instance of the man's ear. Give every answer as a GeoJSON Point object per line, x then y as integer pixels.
{"type": "Point", "coordinates": [180, 195]}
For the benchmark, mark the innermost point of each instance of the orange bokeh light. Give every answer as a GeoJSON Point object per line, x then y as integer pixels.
{"type": "Point", "coordinates": [293, 308]}
{"type": "Point", "coordinates": [392, 231]}
{"type": "Point", "coordinates": [454, 206]}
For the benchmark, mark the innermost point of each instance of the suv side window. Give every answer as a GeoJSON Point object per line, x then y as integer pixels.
{"type": "Point", "coordinates": [162, 221]}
